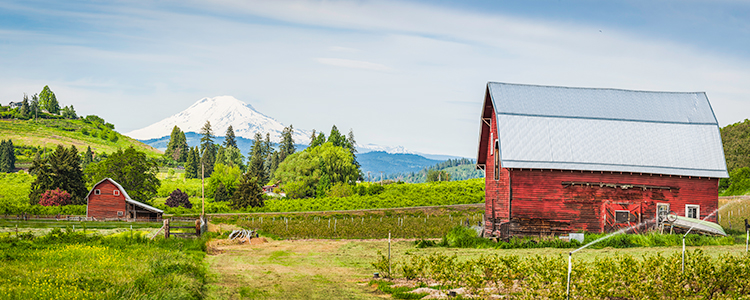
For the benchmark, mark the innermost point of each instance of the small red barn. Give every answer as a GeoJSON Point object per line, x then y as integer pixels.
{"type": "Point", "coordinates": [561, 159]}
{"type": "Point", "coordinates": [108, 200]}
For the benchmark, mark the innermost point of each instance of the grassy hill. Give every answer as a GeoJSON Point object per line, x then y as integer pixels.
{"type": "Point", "coordinates": [48, 133]}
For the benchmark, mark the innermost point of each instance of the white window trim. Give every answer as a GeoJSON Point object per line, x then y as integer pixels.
{"type": "Point", "coordinates": [697, 210]}
{"type": "Point", "coordinates": [657, 209]}
{"type": "Point", "coordinates": [97, 192]}
{"type": "Point", "coordinates": [116, 192]}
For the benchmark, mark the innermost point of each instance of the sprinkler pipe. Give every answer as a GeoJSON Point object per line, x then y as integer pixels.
{"type": "Point", "coordinates": [570, 268]}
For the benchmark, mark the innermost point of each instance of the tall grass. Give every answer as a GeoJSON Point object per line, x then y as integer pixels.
{"type": "Point", "coordinates": [73, 265]}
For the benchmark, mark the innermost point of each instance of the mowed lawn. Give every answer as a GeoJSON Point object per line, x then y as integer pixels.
{"type": "Point", "coordinates": [341, 269]}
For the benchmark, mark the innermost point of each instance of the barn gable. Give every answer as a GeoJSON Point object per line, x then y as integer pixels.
{"type": "Point", "coordinates": [546, 127]}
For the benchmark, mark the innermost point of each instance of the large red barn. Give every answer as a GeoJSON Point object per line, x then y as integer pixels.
{"type": "Point", "coordinates": [560, 159]}
{"type": "Point", "coordinates": [109, 200]}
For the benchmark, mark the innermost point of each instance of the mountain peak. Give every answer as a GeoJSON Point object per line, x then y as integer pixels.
{"type": "Point", "coordinates": [221, 111]}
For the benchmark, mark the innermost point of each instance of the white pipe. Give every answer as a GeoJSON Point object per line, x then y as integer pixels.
{"type": "Point", "coordinates": [570, 268]}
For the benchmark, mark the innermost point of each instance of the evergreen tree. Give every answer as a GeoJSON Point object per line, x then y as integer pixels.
{"type": "Point", "coordinates": [320, 139]}
{"type": "Point", "coordinates": [62, 169]}
{"type": "Point", "coordinates": [248, 193]}
{"type": "Point", "coordinates": [177, 148]}
{"type": "Point", "coordinates": [208, 151]}
{"type": "Point", "coordinates": [34, 105]}
{"type": "Point", "coordinates": [286, 147]}
{"type": "Point", "coordinates": [69, 112]}
{"type": "Point", "coordinates": [352, 145]}
{"type": "Point", "coordinates": [48, 101]}
{"type": "Point", "coordinates": [192, 164]}
{"type": "Point", "coordinates": [255, 165]}
{"type": "Point", "coordinates": [336, 138]}
{"type": "Point", "coordinates": [7, 156]}
{"type": "Point", "coordinates": [220, 156]}
{"type": "Point", "coordinates": [313, 136]}
{"type": "Point", "coordinates": [232, 157]}
{"type": "Point", "coordinates": [88, 157]}
{"type": "Point", "coordinates": [229, 139]}
{"type": "Point", "coordinates": [24, 111]}
{"type": "Point", "coordinates": [221, 194]}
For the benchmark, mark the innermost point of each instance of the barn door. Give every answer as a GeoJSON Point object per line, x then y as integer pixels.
{"type": "Point", "coordinates": [619, 215]}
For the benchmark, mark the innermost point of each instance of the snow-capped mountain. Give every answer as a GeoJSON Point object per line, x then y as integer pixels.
{"type": "Point", "coordinates": [221, 111]}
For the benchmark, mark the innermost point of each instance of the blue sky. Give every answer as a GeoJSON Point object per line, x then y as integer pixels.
{"type": "Point", "coordinates": [409, 73]}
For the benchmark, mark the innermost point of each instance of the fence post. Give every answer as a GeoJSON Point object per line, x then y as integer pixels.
{"type": "Point", "coordinates": [198, 227]}
{"type": "Point", "coordinates": [166, 228]}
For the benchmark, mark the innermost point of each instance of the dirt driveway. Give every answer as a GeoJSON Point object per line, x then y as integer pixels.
{"type": "Point", "coordinates": [302, 269]}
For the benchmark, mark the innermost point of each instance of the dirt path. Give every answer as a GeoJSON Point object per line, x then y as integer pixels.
{"type": "Point", "coordinates": [319, 269]}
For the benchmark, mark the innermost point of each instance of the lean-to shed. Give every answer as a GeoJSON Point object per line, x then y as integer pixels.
{"type": "Point", "coordinates": [109, 200]}
{"type": "Point", "coordinates": [563, 159]}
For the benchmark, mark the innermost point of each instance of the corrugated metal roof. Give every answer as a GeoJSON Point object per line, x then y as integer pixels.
{"type": "Point", "coordinates": [545, 127]}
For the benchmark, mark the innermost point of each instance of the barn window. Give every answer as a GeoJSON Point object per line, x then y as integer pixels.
{"type": "Point", "coordinates": [497, 160]}
{"type": "Point", "coordinates": [622, 216]}
{"type": "Point", "coordinates": [97, 192]}
{"type": "Point", "coordinates": [119, 214]}
{"type": "Point", "coordinates": [662, 210]}
{"type": "Point", "coordinates": [116, 192]}
{"type": "Point", "coordinates": [692, 211]}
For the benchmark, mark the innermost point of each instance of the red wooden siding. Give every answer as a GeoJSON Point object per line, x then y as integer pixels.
{"type": "Point", "coordinates": [106, 204]}
{"type": "Point", "coordinates": [541, 194]}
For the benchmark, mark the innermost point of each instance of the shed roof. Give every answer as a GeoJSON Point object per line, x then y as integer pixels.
{"type": "Point", "coordinates": [548, 127]}
{"type": "Point", "coordinates": [127, 197]}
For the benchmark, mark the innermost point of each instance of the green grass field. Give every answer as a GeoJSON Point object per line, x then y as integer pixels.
{"type": "Point", "coordinates": [64, 264]}
{"type": "Point", "coordinates": [50, 133]}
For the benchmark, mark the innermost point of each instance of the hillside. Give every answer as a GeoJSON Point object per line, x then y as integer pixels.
{"type": "Point", "coordinates": [379, 161]}
{"type": "Point", "coordinates": [459, 169]}
{"type": "Point", "coordinates": [48, 133]}
{"type": "Point", "coordinates": [736, 140]}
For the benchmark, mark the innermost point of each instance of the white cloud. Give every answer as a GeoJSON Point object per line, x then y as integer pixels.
{"type": "Point", "coordinates": [355, 64]}
{"type": "Point", "coordinates": [427, 59]}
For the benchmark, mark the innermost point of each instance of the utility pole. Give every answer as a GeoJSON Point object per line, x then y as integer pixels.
{"type": "Point", "coordinates": [203, 195]}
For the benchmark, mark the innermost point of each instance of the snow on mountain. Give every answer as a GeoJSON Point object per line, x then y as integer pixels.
{"type": "Point", "coordinates": [389, 149]}
{"type": "Point", "coordinates": [221, 111]}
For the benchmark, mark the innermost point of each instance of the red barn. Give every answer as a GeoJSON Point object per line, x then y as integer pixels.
{"type": "Point", "coordinates": [561, 159]}
{"type": "Point", "coordinates": [108, 200]}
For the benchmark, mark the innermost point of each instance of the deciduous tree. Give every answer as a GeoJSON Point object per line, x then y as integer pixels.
{"type": "Point", "coordinates": [135, 172]}
{"type": "Point", "coordinates": [56, 197]}
{"type": "Point", "coordinates": [177, 198]}
{"type": "Point", "coordinates": [48, 101]}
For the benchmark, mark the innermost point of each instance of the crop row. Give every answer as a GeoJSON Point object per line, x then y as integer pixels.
{"type": "Point", "coordinates": [360, 226]}
{"type": "Point", "coordinates": [609, 277]}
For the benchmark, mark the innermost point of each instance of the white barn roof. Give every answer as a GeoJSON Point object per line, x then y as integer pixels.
{"type": "Point", "coordinates": [547, 127]}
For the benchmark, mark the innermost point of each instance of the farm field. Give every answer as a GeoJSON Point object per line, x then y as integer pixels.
{"type": "Point", "coordinates": [341, 269]}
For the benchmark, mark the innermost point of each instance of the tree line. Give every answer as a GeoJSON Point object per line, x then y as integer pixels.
{"type": "Point", "coordinates": [43, 104]}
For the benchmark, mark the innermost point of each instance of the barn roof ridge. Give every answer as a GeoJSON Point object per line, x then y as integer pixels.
{"type": "Point", "coordinates": [605, 129]}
